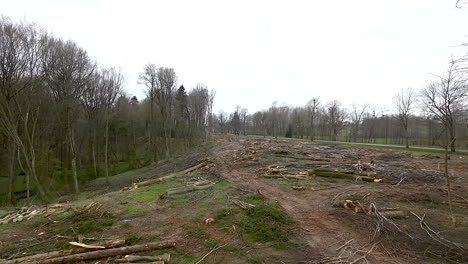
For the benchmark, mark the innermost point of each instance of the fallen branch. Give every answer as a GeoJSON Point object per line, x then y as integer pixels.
{"type": "Point", "coordinates": [297, 177]}
{"type": "Point", "coordinates": [61, 253]}
{"type": "Point", "coordinates": [85, 246]}
{"type": "Point", "coordinates": [133, 258]}
{"type": "Point", "coordinates": [435, 235]}
{"type": "Point", "coordinates": [160, 179]}
{"type": "Point", "coordinates": [103, 253]}
{"type": "Point", "coordinates": [243, 205]}
{"type": "Point", "coordinates": [381, 218]}
{"type": "Point", "coordinates": [211, 251]}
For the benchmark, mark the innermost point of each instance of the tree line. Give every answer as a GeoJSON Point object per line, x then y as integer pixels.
{"type": "Point", "coordinates": [65, 120]}
{"type": "Point", "coordinates": [434, 116]}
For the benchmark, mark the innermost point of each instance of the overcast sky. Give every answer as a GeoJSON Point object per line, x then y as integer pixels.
{"type": "Point", "coordinates": [256, 52]}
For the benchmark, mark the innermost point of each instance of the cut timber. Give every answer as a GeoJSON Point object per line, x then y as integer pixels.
{"type": "Point", "coordinates": [62, 253]}
{"type": "Point", "coordinates": [85, 246]}
{"type": "Point", "coordinates": [343, 174]}
{"type": "Point", "coordinates": [160, 179]}
{"type": "Point", "coordinates": [103, 253]}
{"type": "Point", "coordinates": [185, 190]}
{"type": "Point", "coordinates": [134, 258]}
{"type": "Point", "coordinates": [243, 205]}
{"type": "Point", "coordinates": [297, 177]}
{"type": "Point", "coordinates": [348, 204]}
{"type": "Point", "coordinates": [393, 214]}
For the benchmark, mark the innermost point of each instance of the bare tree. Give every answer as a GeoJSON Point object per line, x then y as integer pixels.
{"type": "Point", "coordinates": [111, 86]}
{"type": "Point", "coordinates": [312, 107]}
{"type": "Point", "coordinates": [149, 78]}
{"type": "Point", "coordinates": [446, 99]}
{"type": "Point", "coordinates": [404, 101]}
{"type": "Point", "coordinates": [357, 113]}
{"type": "Point", "coordinates": [67, 69]}
{"type": "Point", "coordinates": [243, 114]}
{"type": "Point", "coordinates": [21, 48]}
{"type": "Point", "coordinates": [336, 117]}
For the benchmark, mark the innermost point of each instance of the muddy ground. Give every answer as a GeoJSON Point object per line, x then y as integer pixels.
{"type": "Point", "coordinates": [293, 221]}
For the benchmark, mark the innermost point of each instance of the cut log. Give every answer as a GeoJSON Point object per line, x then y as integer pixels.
{"type": "Point", "coordinates": [160, 179]}
{"type": "Point", "coordinates": [394, 214]}
{"type": "Point", "coordinates": [103, 253]}
{"type": "Point", "coordinates": [297, 177]}
{"type": "Point", "coordinates": [133, 258]}
{"type": "Point", "coordinates": [85, 246]}
{"type": "Point", "coordinates": [343, 174]}
{"type": "Point", "coordinates": [61, 253]}
{"type": "Point", "coordinates": [185, 190]}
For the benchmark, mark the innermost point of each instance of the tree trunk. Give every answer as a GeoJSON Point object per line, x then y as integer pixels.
{"type": "Point", "coordinates": [452, 138]}
{"type": "Point", "coordinates": [447, 177]}
{"type": "Point", "coordinates": [11, 174]}
{"type": "Point", "coordinates": [71, 139]}
{"type": "Point", "coordinates": [93, 146]}
{"type": "Point", "coordinates": [106, 148]}
{"type": "Point", "coordinates": [406, 136]}
{"type": "Point", "coordinates": [166, 141]}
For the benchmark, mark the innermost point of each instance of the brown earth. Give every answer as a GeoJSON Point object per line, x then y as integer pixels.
{"type": "Point", "coordinates": [322, 231]}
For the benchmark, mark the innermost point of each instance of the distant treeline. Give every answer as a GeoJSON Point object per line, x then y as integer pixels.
{"type": "Point", "coordinates": [434, 116]}
{"type": "Point", "coordinates": [64, 119]}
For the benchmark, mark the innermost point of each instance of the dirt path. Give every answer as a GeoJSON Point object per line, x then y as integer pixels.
{"type": "Point", "coordinates": [312, 211]}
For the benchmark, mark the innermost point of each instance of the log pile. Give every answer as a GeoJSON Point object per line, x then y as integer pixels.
{"type": "Point", "coordinates": [341, 173]}
{"type": "Point", "coordinates": [358, 207]}
{"type": "Point", "coordinates": [27, 213]}
{"type": "Point", "coordinates": [202, 185]}
{"type": "Point", "coordinates": [245, 155]}
{"type": "Point", "coordinates": [108, 249]}
{"type": "Point", "coordinates": [279, 171]}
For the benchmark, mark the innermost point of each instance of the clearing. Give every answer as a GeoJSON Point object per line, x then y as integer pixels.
{"type": "Point", "coordinates": [264, 200]}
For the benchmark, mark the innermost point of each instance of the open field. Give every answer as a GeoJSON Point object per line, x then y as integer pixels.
{"type": "Point", "coordinates": [272, 201]}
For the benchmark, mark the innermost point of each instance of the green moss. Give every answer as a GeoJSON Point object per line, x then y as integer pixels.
{"type": "Point", "coordinates": [150, 193]}
{"type": "Point", "coordinates": [264, 223]}
{"type": "Point", "coordinates": [133, 209]}
{"type": "Point", "coordinates": [6, 226]}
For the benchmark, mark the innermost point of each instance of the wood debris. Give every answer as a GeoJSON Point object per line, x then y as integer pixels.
{"type": "Point", "coordinates": [243, 205]}
{"type": "Point", "coordinates": [209, 221]}
{"type": "Point", "coordinates": [358, 207]}
{"type": "Point", "coordinates": [195, 187]}
{"type": "Point", "coordinates": [164, 258]}
{"type": "Point", "coordinates": [27, 213]}
{"type": "Point", "coordinates": [70, 256]}
{"type": "Point", "coordinates": [134, 186]}
{"type": "Point", "coordinates": [341, 173]}
{"type": "Point", "coordinates": [61, 253]}
{"type": "Point", "coordinates": [85, 245]}
{"type": "Point", "coordinates": [298, 188]}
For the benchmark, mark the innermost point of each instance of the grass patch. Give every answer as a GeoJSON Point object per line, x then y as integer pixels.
{"type": "Point", "coordinates": [133, 209]}
{"type": "Point", "coordinates": [264, 223]}
{"type": "Point", "coordinates": [6, 226]}
{"type": "Point", "coordinates": [3, 213]}
{"type": "Point", "coordinates": [196, 232]}
{"type": "Point", "coordinates": [63, 215]}
{"type": "Point", "coordinates": [150, 193]}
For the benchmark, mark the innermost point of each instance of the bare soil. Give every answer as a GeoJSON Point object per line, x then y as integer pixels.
{"type": "Point", "coordinates": [322, 230]}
